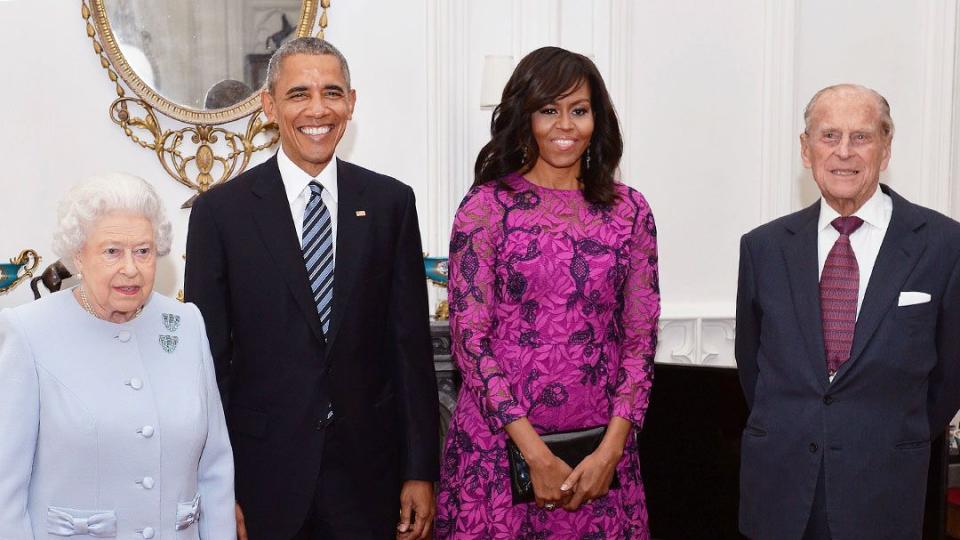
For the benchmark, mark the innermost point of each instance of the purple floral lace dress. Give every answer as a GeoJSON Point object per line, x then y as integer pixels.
{"type": "Point", "coordinates": [553, 315]}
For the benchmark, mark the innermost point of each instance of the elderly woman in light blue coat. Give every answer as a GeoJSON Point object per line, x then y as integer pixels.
{"type": "Point", "coordinates": [110, 420]}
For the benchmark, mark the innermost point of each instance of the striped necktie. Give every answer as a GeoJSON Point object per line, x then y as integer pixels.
{"type": "Point", "coordinates": [317, 246]}
{"type": "Point", "coordinates": [839, 289]}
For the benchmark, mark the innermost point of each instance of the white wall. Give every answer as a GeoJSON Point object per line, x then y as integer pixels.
{"type": "Point", "coordinates": [710, 95]}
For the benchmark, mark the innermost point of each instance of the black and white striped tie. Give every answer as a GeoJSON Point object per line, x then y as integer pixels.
{"type": "Point", "coordinates": [317, 246]}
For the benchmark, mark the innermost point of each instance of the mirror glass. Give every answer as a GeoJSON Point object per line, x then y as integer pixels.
{"type": "Point", "coordinates": [203, 55]}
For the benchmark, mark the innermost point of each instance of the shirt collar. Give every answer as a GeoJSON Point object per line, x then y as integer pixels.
{"type": "Point", "coordinates": [295, 179]}
{"type": "Point", "coordinates": [871, 212]}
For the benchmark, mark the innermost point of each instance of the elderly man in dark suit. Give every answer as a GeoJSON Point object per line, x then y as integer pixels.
{"type": "Point", "coordinates": [309, 275]}
{"type": "Point", "coordinates": [848, 341]}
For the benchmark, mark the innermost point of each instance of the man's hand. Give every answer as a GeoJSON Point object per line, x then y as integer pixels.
{"type": "Point", "coordinates": [417, 509]}
{"type": "Point", "coordinates": [241, 525]}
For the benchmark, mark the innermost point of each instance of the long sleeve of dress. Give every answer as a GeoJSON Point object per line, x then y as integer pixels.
{"type": "Point", "coordinates": [640, 311]}
{"type": "Point", "coordinates": [19, 424]}
{"type": "Point", "coordinates": [472, 301]}
{"type": "Point", "coordinates": [215, 474]}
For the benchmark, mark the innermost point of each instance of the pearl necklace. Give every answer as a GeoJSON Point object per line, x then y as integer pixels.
{"type": "Point", "coordinates": [85, 304]}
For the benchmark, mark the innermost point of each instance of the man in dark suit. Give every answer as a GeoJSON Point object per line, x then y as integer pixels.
{"type": "Point", "coordinates": [848, 341]}
{"type": "Point", "coordinates": [308, 271]}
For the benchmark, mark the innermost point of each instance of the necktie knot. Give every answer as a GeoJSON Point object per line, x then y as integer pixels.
{"type": "Point", "coordinates": [846, 225]}
{"type": "Point", "coordinates": [315, 188]}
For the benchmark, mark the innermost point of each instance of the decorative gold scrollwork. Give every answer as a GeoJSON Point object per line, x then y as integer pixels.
{"type": "Point", "coordinates": [201, 154]}
{"type": "Point", "coordinates": [20, 268]}
{"type": "Point", "coordinates": [324, 5]}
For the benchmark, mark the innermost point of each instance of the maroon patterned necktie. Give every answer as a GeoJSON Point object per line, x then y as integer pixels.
{"type": "Point", "coordinates": [839, 286]}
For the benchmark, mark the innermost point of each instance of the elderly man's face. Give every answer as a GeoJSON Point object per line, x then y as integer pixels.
{"type": "Point", "coordinates": [312, 105]}
{"type": "Point", "coordinates": [118, 262]}
{"type": "Point", "coordinates": [845, 148]}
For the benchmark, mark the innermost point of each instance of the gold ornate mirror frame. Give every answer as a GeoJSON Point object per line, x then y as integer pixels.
{"type": "Point", "coordinates": [201, 154]}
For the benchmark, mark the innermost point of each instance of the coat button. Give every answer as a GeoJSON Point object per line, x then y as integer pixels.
{"type": "Point", "coordinates": [146, 431]}
{"type": "Point", "coordinates": [828, 399]}
{"type": "Point", "coordinates": [324, 422]}
{"type": "Point", "coordinates": [148, 532]}
{"type": "Point", "coordinates": [813, 448]}
{"type": "Point", "coordinates": [135, 383]}
{"type": "Point", "coordinates": [124, 336]}
{"type": "Point", "coordinates": [147, 482]}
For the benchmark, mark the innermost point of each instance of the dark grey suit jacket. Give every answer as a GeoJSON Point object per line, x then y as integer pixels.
{"type": "Point", "coordinates": [871, 427]}
{"type": "Point", "coordinates": [274, 365]}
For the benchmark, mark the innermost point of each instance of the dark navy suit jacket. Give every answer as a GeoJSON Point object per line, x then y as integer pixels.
{"type": "Point", "coordinates": [871, 428]}
{"type": "Point", "coordinates": [276, 368]}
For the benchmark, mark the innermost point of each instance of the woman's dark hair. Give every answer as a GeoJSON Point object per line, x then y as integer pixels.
{"type": "Point", "coordinates": [542, 77]}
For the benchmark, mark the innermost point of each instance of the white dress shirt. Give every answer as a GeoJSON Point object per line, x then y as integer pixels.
{"type": "Point", "coordinates": [296, 184]}
{"type": "Point", "coordinates": [864, 241]}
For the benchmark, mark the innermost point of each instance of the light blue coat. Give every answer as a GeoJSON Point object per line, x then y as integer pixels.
{"type": "Point", "coordinates": [111, 430]}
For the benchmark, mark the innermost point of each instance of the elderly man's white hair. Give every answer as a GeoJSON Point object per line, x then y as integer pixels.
{"type": "Point", "coordinates": [100, 195]}
{"type": "Point", "coordinates": [883, 106]}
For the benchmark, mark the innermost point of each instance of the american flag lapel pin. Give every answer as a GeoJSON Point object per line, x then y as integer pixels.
{"type": "Point", "coordinates": [361, 213]}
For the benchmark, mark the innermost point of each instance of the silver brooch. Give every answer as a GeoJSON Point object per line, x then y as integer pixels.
{"type": "Point", "coordinates": [169, 343]}
{"type": "Point", "coordinates": [171, 322]}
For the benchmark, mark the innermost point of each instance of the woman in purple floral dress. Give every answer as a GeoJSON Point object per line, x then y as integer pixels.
{"type": "Point", "coordinates": [554, 301]}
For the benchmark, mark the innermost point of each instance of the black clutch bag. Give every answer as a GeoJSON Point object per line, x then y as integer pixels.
{"type": "Point", "coordinates": [570, 446]}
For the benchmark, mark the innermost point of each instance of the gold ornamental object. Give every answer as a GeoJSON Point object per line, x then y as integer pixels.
{"type": "Point", "coordinates": [19, 268]}
{"type": "Point", "coordinates": [202, 154]}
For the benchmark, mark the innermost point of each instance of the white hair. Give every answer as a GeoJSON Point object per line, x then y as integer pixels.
{"type": "Point", "coordinates": [883, 106]}
{"type": "Point", "coordinates": [89, 201]}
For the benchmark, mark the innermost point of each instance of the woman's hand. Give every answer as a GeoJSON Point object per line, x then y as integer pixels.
{"type": "Point", "coordinates": [592, 476]}
{"type": "Point", "coordinates": [547, 471]}
{"type": "Point", "coordinates": [547, 474]}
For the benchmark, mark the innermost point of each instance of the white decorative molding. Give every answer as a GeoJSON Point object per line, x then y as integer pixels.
{"type": "Point", "coordinates": [955, 171]}
{"type": "Point", "coordinates": [619, 73]}
{"type": "Point", "coordinates": [678, 342]}
{"type": "Point", "coordinates": [779, 130]}
{"type": "Point", "coordinates": [716, 342]}
{"type": "Point", "coordinates": [448, 171]}
{"type": "Point", "coordinates": [448, 166]}
{"type": "Point", "coordinates": [536, 23]}
{"type": "Point", "coordinates": [938, 145]}
{"type": "Point", "coordinates": [698, 341]}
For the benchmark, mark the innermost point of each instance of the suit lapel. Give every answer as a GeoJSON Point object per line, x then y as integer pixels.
{"type": "Point", "coordinates": [351, 242]}
{"type": "Point", "coordinates": [273, 218]}
{"type": "Point", "coordinates": [800, 254]}
{"type": "Point", "coordinates": [901, 249]}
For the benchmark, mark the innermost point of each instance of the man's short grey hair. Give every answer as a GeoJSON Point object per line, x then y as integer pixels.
{"type": "Point", "coordinates": [93, 199]}
{"type": "Point", "coordinates": [886, 121]}
{"type": "Point", "coordinates": [304, 45]}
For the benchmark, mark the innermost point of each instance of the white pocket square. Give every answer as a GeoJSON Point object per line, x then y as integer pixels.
{"type": "Point", "coordinates": [909, 298]}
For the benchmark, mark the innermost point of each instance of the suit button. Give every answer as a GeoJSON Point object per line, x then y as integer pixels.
{"type": "Point", "coordinates": [813, 448]}
{"type": "Point", "coordinates": [324, 422]}
{"type": "Point", "coordinates": [828, 399]}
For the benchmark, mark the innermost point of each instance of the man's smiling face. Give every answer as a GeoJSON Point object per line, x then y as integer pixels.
{"type": "Point", "coordinates": [845, 147]}
{"type": "Point", "coordinates": [312, 104]}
